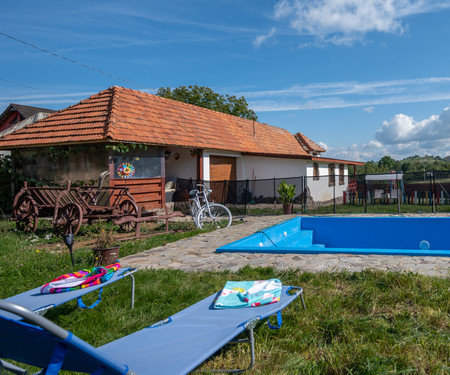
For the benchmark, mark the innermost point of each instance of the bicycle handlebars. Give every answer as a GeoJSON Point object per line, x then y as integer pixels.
{"type": "Point", "coordinates": [204, 188]}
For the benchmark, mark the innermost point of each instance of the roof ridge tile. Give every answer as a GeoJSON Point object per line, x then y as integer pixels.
{"type": "Point", "coordinates": [111, 114]}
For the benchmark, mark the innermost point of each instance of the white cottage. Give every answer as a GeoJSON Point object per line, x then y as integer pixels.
{"type": "Point", "coordinates": [181, 141]}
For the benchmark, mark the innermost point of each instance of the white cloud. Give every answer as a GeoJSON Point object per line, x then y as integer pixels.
{"type": "Point", "coordinates": [323, 145]}
{"type": "Point", "coordinates": [260, 39]}
{"type": "Point", "coordinates": [403, 129]}
{"type": "Point", "coordinates": [369, 109]}
{"type": "Point", "coordinates": [343, 22]}
{"type": "Point", "coordinates": [403, 136]}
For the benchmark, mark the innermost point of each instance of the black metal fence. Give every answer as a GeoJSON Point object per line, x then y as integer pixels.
{"type": "Point", "coordinates": [427, 191]}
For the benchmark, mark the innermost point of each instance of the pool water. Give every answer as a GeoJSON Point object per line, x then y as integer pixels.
{"type": "Point", "coordinates": [413, 236]}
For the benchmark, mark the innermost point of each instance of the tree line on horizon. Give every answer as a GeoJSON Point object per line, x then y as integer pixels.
{"type": "Point", "coordinates": [414, 163]}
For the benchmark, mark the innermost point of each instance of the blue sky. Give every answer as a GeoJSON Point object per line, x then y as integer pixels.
{"type": "Point", "coordinates": [364, 78]}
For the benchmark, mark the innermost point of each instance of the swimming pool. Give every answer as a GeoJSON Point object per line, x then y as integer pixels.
{"type": "Point", "coordinates": [413, 236]}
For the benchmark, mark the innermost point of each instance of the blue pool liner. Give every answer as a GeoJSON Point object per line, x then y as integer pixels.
{"type": "Point", "coordinates": [412, 236]}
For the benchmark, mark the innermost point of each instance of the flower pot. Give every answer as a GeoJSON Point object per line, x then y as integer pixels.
{"type": "Point", "coordinates": [106, 256]}
{"type": "Point", "coordinates": [288, 208]}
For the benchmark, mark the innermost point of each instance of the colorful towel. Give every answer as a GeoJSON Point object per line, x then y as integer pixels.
{"type": "Point", "coordinates": [81, 279]}
{"type": "Point", "coordinates": [238, 294]}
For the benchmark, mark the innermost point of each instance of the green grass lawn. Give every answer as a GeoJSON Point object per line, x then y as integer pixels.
{"type": "Point", "coordinates": [356, 323]}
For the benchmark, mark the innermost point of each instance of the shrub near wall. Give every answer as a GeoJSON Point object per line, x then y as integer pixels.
{"type": "Point", "coordinates": [5, 184]}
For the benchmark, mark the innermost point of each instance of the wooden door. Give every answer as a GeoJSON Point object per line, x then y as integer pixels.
{"type": "Point", "coordinates": [221, 168]}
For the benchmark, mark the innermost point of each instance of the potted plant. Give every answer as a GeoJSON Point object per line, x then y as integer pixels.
{"type": "Point", "coordinates": [106, 248]}
{"type": "Point", "coordinates": [286, 194]}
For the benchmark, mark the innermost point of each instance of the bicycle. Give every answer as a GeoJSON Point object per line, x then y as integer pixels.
{"type": "Point", "coordinates": [206, 215]}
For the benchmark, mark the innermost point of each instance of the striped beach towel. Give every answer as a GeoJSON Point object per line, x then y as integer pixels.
{"type": "Point", "coordinates": [81, 279]}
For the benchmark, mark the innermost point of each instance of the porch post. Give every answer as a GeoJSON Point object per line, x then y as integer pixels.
{"type": "Point", "coordinates": [200, 166]}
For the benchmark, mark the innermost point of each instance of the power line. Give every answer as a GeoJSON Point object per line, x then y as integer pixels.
{"type": "Point", "coordinates": [21, 84]}
{"type": "Point", "coordinates": [69, 60]}
{"type": "Point", "coordinates": [35, 88]}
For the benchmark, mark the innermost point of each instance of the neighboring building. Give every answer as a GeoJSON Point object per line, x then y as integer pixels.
{"type": "Point", "coordinates": [17, 116]}
{"type": "Point", "coordinates": [181, 141]}
{"type": "Point", "coordinates": [16, 113]}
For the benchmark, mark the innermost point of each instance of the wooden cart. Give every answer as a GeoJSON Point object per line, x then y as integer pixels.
{"type": "Point", "coordinates": [72, 206]}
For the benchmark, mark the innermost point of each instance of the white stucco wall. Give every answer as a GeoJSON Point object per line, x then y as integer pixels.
{"type": "Point", "coordinates": [320, 189]}
{"type": "Point", "coordinates": [266, 169]}
{"type": "Point", "coordinates": [259, 167]}
{"type": "Point", "coordinates": [183, 167]}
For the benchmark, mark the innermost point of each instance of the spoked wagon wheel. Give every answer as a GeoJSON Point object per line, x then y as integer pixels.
{"type": "Point", "coordinates": [26, 214]}
{"type": "Point", "coordinates": [128, 208]}
{"type": "Point", "coordinates": [69, 219]}
{"type": "Point", "coordinates": [217, 217]}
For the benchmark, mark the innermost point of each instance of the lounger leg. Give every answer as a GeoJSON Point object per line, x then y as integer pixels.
{"type": "Point", "coordinates": [130, 273]}
{"type": "Point", "coordinates": [12, 368]}
{"type": "Point", "coordinates": [132, 291]}
{"type": "Point", "coordinates": [250, 340]}
{"type": "Point", "coordinates": [303, 301]}
{"type": "Point", "coordinates": [299, 292]}
{"type": "Point", "coordinates": [252, 347]}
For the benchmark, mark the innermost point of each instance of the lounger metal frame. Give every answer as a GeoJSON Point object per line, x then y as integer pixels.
{"type": "Point", "coordinates": [106, 353]}
{"type": "Point", "coordinates": [249, 328]}
{"type": "Point", "coordinates": [77, 294]}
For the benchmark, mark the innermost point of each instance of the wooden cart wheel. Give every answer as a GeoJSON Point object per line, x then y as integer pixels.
{"type": "Point", "coordinates": [26, 214]}
{"type": "Point", "coordinates": [128, 208]}
{"type": "Point", "coordinates": [69, 219]}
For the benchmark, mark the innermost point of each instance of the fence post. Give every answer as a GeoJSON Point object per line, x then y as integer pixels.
{"type": "Point", "coordinates": [224, 191]}
{"type": "Point", "coordinates": [398, 198]}
{"type": "Point", "coordinates": [304, 194]}
{"type": "Point", "coordinates": [365, 194]}
{"type": "Point", "coordinates": [433, 192]}
{"type": "Point", "coordinates": [247, 206]}
{"type": "Point", "coordinates": [274, 198]}
{"type": "Point", "coordinates": [334, 195]}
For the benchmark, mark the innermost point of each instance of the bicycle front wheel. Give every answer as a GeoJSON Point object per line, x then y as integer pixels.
{"type": "Point", "coordinates": [217, 217]}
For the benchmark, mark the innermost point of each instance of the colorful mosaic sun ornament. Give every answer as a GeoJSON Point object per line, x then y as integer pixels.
{"type": "Point", "coordinates": [126, 170]}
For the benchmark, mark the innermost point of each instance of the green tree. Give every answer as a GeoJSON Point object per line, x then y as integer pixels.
{"type": "Point", "coordinates": [369, 167]}
{"type": "Point", "coordinates": [207, 98]}
{"type": "Point", "coordinates": [405, 167]}
{"type": "Point", "coordinates": [386, 163]}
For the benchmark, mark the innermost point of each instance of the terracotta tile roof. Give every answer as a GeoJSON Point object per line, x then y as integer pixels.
{"type": "Point", "coordinates": [124, 115]}
{"type": "Point", "coordinates": [308, 145]}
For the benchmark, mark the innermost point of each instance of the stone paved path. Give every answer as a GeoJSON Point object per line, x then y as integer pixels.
{"type": "Point", "coordinates": [198, 254]}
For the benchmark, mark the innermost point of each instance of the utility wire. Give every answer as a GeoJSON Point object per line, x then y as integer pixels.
{"type": "Point", "coordinates": [35, 88]}
{"type": "Point", "coordinates": [69, 60]}
{"type": "Point", "coordinates": [20, 84]}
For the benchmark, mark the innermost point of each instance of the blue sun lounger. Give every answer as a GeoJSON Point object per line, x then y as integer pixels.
{"type": "Point", "coordinates": [176, 345]}
{"type": "Point", "coordinates": [40, 303]}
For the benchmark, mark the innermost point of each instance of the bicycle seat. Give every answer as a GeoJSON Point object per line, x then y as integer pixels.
{"type": "Point", "coordinates": [193, 193]}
